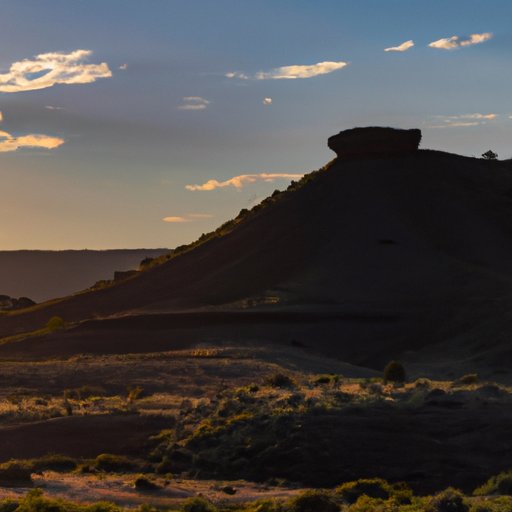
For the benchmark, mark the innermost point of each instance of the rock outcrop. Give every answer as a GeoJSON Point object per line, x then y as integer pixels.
{"type": "Point", "coordinates": [9, 303]}
{"type": "Point", "coordinates": [374, 141]}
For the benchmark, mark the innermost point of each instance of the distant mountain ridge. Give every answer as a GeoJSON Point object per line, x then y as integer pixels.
{"type": "Point", "coordinates": [44, 275]}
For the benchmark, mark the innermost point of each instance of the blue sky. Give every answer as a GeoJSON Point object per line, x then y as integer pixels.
{"type": "Point", "coordinates": [100, 162]}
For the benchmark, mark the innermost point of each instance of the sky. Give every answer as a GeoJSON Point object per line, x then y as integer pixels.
{"type": "Point", "coordinates": [145, 123]}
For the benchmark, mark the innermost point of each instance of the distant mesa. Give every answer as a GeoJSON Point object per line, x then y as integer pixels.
{"type": "Point", "coordinates": [374, 141]}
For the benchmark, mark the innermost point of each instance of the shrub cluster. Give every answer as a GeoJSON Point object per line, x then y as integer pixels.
{"type": "Point", "coordinates": [499, 484]}
{"type": "Point", "coordinates": [394, 372]}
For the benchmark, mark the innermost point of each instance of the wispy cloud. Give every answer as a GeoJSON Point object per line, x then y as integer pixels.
{"type": "Point", "coordinates": [292, 72]}
{"type": "Point", "coordinates": [242, 180]}
{"type": "Point", "coordinates": [236, 74]}
{"type": "Point", "coordinates": [49, 69]}
{"type": "Point", "coordinates": [463, 120]}
{"type": "Point", "coordinates": [456, 124]}
{"type": "Point", "coordinates": [401, 47]}
{"type": "Point", "coordinates": [267, 101]}
{"type": "Point", "coordinates": [123, 67]}
{"type": "Point", "coordinates": [53, 107]}
{"type": "Point", "coordinates": [193, 103]}
{"type": "Point", "coordinates": [476, 115]}
{"type": "Point", "coordinates": [175, 219]}
{"type": "Point", "coordinates": [189, 217]}
{"type": "Point", "coordinates": [454, 42]}
{"type": "Point", "coordinates": [10, 143]}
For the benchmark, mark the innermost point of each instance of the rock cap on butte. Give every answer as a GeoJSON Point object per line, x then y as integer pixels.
{"type": "Point", "coordinates": [374, 141]}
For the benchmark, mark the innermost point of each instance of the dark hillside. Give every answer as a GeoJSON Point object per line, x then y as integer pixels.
{"type": "Point", "coordinates": [423, 237]}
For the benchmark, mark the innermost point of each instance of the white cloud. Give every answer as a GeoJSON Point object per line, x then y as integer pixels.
{"type": "Point", "coordinates": [476, 115]}
{"type": "Point", "coordinates": [236, 74]}
{"type": "Point", "coordinates": [175, 219]}
{"type": "Point", "coordinates": [447, 43]}
{"type": "Point", "coordinates": [193, 103]}
{"type": "Point", "coordinates": [454, 42]}
{"type": "Point", "coordinates": [53, 107]}
{"type": "Point", "coordinates": [401, 47]}
{"type": "Point", "coordinates": [476, 39]}
{"type": "Point", "coordinates": [267, 101]}
{"type": "Point", "coordinates": [242, 180]}
{"type": "Point", "coordinates": [189, 217]}
{"type": "Point", "coordinates": [456, 124]}
{"type": "Point", "coordinates": [479, 116]}
{"type": "Point", "coordinates": [49, 69]}
{"type": "Point", "coordinates": [123, 67]}
{"type": "Point", "coordinates": [10, 143]}
{"type": "Point", "coordinates": [464, 120]}
{"type": "Point", "coordinates": [292, 72]}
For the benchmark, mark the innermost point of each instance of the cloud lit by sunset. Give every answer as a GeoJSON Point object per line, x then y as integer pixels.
{"type": "Point", "coordinates": [49, 69]}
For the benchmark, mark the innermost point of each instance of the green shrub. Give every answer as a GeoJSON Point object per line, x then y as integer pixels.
{"type": "Point", "coordinates": [268, 505]}
{"type": "Point", "coordinates": [134, 393]}
{"type": "Point", "coordinates": [281, 380]}
{"type": "Point", "coordinates": [470, 378]}
{"type": "Point", "coordinates": [198, 504]}
{"type": "Point", "coordinates": [16, 473]}
{"type": "Point", "coordinates": [56, 323]}
{"type": "Point", "coordinates": [114, 463]}
{"type": "Point", "coordinates": [490, 155]}
{"type": "Point", "coordinates": [401, 493]}
{"type": "Point", "coordinates": [83, 392]}
{"type": "Point", "coordinates": [500, 504]}
{"type": "Point", "coordinates": [313, 501]}
{"type": "Point", "coordinates": [449, 500]}
{"type": "Point", "coordinates": [35, 501]}
{"type": "Point", "coordinates": [498, 484]}
{"type": "Point", "coordinates": [366, 504]}
{"type": "Point", "coordinates": [143, 483]}
{"type": "Point", "coordinates": [53, 462]}
{"type": "Point", "coordinates": [146, 262]}
{"type": "Point", "coordinates": [481, 507]}
{"type": "Point", "coordinates": [423, 383]}
{"type": "Point", "coordinates": [9, 505]}
{"type": "Point", "coordinates": [371, 487]}
{"type": "Point", "coordinates": [394, 372]}
{"type": "Point", "coordinates": [323, 379]}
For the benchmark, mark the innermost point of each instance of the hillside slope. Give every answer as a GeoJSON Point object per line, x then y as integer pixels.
{"type": "Point", "coordinates": [421, 240]}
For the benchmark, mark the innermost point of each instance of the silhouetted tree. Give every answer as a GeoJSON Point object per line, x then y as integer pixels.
{"type": "Point", "coordinates": [490, 155]}
{"type": "Point", "coordinates": [394, 372]}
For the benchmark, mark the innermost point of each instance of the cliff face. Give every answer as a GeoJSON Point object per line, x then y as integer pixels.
{"type": "Point", "coordinates": [374, 141]}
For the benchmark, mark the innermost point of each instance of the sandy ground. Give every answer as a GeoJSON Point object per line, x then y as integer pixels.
{"type": "Point", "coordinates": [120, 490]}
